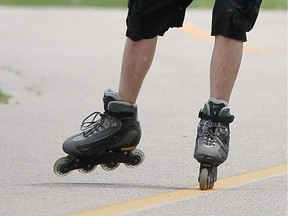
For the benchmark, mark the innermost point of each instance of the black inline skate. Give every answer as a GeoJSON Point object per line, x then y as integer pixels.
{"type": "Point", "coordinates": [212, 142]}
{"type": "Point", "coordinates": [108, 138]}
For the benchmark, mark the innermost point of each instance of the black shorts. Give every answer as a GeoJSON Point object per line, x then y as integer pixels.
{"type": "Point", "coordinates": [233, 18]}
{"type": "Point", "coordinates": [148, 18]}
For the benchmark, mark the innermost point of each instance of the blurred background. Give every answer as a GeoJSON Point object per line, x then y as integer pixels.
{"type": "Point", "coordinates": [270, 4]}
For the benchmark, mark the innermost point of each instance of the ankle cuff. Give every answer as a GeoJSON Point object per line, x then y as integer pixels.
{"type": "Point", "coordinates": [216, 119]}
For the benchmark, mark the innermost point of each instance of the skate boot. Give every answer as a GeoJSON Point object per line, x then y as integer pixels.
{"type": "Point", "coordinates": [108, 138]}
{"type": "Point", "coordinates": [212, 142]}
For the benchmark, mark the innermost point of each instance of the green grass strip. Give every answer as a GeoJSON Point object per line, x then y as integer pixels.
{"type": "Point", "coordinates": [4, 98]}
{"type": "Point", "coordinates": [267, 4]}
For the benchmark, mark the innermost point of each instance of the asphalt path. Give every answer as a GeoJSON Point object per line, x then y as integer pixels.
{"type": "Point", "coordinates": [56, 63]}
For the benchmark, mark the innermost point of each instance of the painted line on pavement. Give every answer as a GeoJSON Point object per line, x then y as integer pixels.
{"type": "Point", "coordinates": [196, 32]}
{"type": "Point", "coordinates": [178, 195]}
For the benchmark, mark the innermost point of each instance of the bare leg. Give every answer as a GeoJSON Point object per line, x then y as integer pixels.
{"type": "Point", "coordinates": [137, 59]}
{"type": "Point", "coordinates": [225, 63]}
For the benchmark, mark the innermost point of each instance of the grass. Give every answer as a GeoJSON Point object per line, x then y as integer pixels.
{"type": "Point", "coordinates": [267, 4]}
{"type": "Point", "coordinates": [4, 99]}
{"type": "Point", "coordinates": [102, 3]}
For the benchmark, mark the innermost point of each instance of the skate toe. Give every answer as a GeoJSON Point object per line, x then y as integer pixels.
{"type": "Point", "coordinates": [70, 145]}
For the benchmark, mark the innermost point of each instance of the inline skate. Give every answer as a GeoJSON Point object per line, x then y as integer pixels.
{"type": "Point", "coordinates": [212, 142]}
{"type": "Point", "coordinates": [107, 139]}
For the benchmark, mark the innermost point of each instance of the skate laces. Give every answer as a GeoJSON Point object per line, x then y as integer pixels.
{"type": "Point", "coordinates": [212, 132]}
{"type": "Point", "coordinates": [96, 122]}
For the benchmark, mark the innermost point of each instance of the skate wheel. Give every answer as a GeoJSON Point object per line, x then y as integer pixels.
{"type": "Point", "coordinates": [140, 155]}
{"type": "Point", "coordinates": [58, 166]}
{"type": "Point", "coordinates": [207, 178]}
{"type": "Point", "coordinates": [110, 167]}
{"type": "Point", "coordinates": [87, 169]}
{"type": "Point", "coordinates": [203, 179]}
